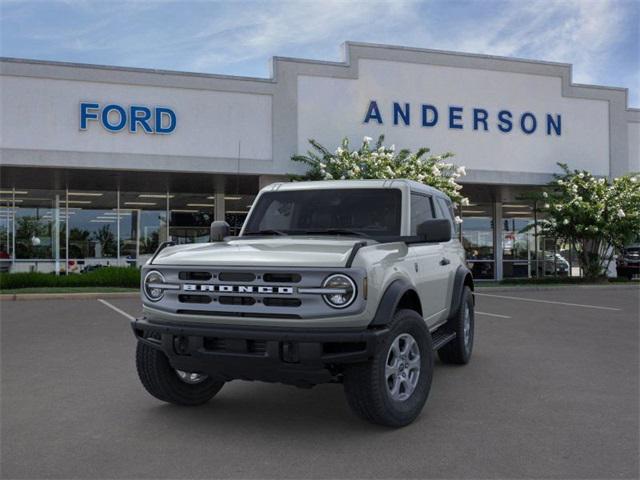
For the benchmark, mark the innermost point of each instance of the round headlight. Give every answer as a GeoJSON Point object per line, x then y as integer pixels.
{"type": "Point", "coordinates": [345, 291]}
{"type": "Point", "coordinates": [153, 293]}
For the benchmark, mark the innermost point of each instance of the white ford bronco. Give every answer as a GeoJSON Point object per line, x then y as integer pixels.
{"type": "Point", "coordinates": [352, 282]}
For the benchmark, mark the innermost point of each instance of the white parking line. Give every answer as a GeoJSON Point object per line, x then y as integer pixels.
{"type": "Point", "coordinates": [492, 314]}
{"type": "Point", "coordinates": [116, 309]}
{"type": "Point", "coordinates": [547, 301]}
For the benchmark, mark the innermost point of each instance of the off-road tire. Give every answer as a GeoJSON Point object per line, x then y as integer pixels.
{"type": "Point", "coordinates": [162, 381]}
{"type": "Point", "coordinates": [457, 351]}
{"type": "Point", "coordinates": [365, 384]}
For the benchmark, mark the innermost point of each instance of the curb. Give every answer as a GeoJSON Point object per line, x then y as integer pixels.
{"type": "Point", "coordinates": [520, 288]}
{"type": "Point", "coordinates": [66, 296]}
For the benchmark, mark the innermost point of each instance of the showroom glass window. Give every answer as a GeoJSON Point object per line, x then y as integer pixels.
{"type": "Point", "coordinates": [146, 214]}
{"type": "Point", "coordinates": [191, 215]}
{"type": "Point", "coordinates": [518, 240]}
{"type": "Point", "coordinates": [38, 224]}
{"type": "Point", "coordinates": [478, 239]}
{"type": "Point", "coordinates": [93, 230]}
{"type": "Point", "coordinates": [6, 229]}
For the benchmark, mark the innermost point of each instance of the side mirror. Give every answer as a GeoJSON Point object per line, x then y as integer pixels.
{"type": "Point", "coordinates": [219, 230]}
{"type": "Point", "coordinates": [434, 230]}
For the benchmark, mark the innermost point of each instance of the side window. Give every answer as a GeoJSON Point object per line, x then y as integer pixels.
{"type": "Point", "coordinates": [421, 210]}
{"type": "Point", "coordinates": [446, 211]}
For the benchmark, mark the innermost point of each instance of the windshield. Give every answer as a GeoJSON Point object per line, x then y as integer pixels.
{"type": "Point", "coordinates": [367, 212]}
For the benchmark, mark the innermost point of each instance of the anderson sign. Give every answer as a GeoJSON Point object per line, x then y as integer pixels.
{"type": "Point", "coordinates": [460, 118]}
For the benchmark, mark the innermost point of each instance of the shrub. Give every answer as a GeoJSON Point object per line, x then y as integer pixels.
{"type": "Point", "coordinates": [380, 162]}
{"type": "Point", "coordinates": [125, 277]}
{"type": "Point", "coordinates": [595, 215]}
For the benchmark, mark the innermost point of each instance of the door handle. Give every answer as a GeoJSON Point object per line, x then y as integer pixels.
{"type": "Point", "coordinates": [445, 261]}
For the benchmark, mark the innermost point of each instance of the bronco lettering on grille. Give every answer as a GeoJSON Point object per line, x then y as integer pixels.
{"type": "Point", "coordinates": [262, 289]}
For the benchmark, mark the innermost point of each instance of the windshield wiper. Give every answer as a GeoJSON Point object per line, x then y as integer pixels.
{"type": "Point", "coordinates": [336, 231]}
{"type": "Point", "coordinates": [265, 232]}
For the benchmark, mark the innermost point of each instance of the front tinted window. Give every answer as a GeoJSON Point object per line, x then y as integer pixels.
{"type": "Point", "coordinates": [446, 211]}
{"type": "Point", "coordinates": [371, 212]}
{"type": "Point", "coordinates": [421, 210]}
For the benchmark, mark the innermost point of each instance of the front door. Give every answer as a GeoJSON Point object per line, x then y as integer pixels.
{"type": "Point", "coordinates": [432, 277]}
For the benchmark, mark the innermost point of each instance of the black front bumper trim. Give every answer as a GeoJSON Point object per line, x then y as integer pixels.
{"type": "Point", "coordinates": [270, 354]}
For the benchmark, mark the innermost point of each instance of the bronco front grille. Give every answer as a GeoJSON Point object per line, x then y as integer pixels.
{"type": "Point", "coordinates": [251, 292]}
{"type": "Point", "coordinates": [195, 276]}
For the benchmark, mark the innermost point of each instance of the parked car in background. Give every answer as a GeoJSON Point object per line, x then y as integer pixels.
{"type": "Point", "coordinates": [554, 264]}
{"type": "Point", "coordinates": [628, 263]}
{"type": "Point", "coordinates": [5, 261]}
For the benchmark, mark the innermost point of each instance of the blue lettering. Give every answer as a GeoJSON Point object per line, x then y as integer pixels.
{"type": "Point", "coordinates": [425, 116]}
{"type": "Point", "coordinates": [399, 112]}
{"type": "Point", "coordinates": [162, 112]}
{"type": "Point", "coordinates": [139, 115]}
{"type": "Point", "coordinates": [480, 115]}
{"type": "Point", "coordinates": [85, 114]}
{"type": "Point", "coordinates": [504, 117]}
{"type": "Point", "coordinates": [105, 118]}
{"type": "Point", "coordinates": [523, 123]}
{"type": "Point", "coordinates": [557, 125]}
{"type": "Point", "coordinates": [455, 113]}
{"type": "Point", "coordinates": [373, 112]}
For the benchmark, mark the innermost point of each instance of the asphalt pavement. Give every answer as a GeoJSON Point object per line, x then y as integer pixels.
{"type": "Point", "coordinates": [552, 391]}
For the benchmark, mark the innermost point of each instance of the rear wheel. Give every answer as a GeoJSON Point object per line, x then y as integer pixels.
{"type": "Point", "coordinates": [165, 383]}
{"type": "Point", "coordinates": [458, 351]}
{"type": "Point", "coordinates": [392, 388]}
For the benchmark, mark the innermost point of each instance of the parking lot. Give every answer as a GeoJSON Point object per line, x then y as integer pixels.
{"type": "Point", "coordinates": [552, 391]}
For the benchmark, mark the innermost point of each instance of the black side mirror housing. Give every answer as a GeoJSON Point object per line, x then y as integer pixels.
{"type": "Point", "coordinates": [434, 230]}
{"type": "Point", "coordinates": [219, 230]}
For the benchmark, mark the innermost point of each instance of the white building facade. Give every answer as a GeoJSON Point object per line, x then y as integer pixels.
{"type": "Point", "coordinates": [100, 164]}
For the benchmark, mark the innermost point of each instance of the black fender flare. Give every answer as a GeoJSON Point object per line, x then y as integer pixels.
{"type": "Point", "coordinates": [463, 277]}
{"type": "Point", "coordinates": [389, 302]}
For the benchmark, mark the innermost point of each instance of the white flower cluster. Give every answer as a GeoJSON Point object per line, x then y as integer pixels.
{"type": "Point", "coordinates": [594, 214]}
{"type": "Point", "coordinates": [380, 162]}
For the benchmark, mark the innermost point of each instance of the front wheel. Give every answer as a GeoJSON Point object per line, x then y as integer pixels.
{"type": "Point", "coordinates": [392, 388]}
{"type": "Point", "coordinates": [165, 383]}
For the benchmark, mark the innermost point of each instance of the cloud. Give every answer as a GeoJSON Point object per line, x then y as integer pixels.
{"type": "Point", "coordinates": [599, 37]}
{"type": "Point", "coordinates": [270, 28]}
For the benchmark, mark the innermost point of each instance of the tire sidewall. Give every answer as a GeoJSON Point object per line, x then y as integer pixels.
{"type": "Point", "coordinates": [407, 321]}
{"type": "Point", "coordinates": [161, 380]}
{"type": "Point", "coordinates": [467, 301]}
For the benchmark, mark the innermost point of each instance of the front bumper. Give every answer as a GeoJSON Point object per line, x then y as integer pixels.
{"type": "Point", "coordinates": [627, 268]}
{"type": "Point", "coordinates": [302, 358]}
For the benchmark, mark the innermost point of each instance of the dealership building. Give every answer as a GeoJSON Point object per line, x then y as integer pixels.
{"type": "Point", "coordinates": [100, 164]}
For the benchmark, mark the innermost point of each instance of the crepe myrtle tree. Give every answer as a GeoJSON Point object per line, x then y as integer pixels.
{"type": "Point", "coordinates": [376, 161]}
{"type": "Point", "coordinates": [596, 216]}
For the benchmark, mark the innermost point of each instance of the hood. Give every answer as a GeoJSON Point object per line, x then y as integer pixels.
{"type": "Point", "coordinates": [295, 251]}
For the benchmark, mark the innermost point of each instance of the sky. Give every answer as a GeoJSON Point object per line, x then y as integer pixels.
{"type": "Point", "coordinates": [601, 38]}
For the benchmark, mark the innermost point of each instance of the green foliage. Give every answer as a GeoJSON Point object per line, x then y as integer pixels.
{"type": "Point", "coordinates": [28, 227]}
{"type": "Point", "coordinates": [380, 162]}
{"type": "Point", "coordinates": [106, 238]}
{"type": "Point", "coordinates": [595, 215]}
{"type": "Point", "coordinates": [124, 277]}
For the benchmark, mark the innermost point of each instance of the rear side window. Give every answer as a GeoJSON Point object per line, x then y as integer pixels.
{"type": "Point", "coordinates": [421, 210]}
